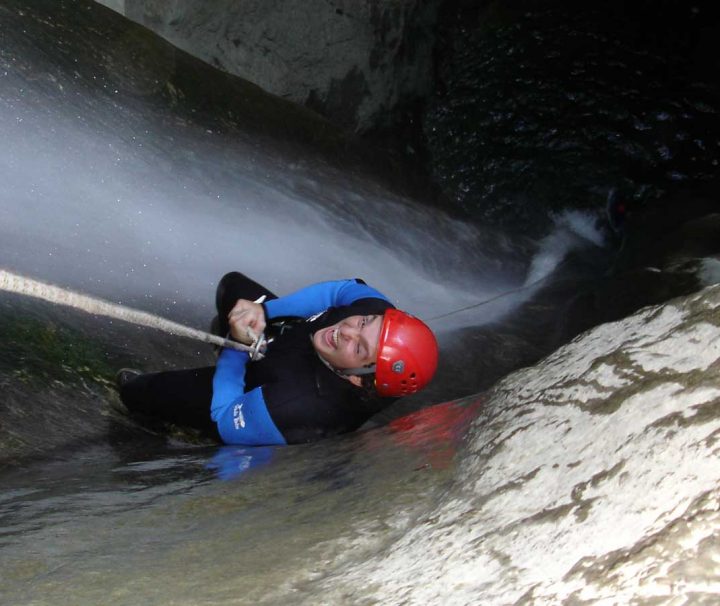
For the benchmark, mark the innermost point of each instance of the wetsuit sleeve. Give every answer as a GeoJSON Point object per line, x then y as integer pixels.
{"type": "Point", "coordinates": [319, 297]}
{"type": "Point", "coordinates": [242, 418]}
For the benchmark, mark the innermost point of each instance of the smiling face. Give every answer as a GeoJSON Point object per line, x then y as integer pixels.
{"type": "Point", "coordinates": [351, 343]}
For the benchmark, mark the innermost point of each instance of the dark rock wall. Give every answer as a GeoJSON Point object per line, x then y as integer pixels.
{"type": "Point", "coordinates": [549, 105]}
{"type": "Point", "coordinates": [351, 61]}
{"type": "Point", "coordinates": [515, 107]}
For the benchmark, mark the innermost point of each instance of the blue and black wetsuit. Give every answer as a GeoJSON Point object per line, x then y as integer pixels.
{"type": "Point", "coordinates": [288, 397]}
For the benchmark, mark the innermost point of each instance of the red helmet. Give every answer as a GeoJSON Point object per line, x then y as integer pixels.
{"type": "Point", "coordinates": [407, 355]}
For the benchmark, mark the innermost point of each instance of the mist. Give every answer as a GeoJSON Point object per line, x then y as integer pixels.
{"type": "Point", "coordinates": [138, 206]}
{"type": "Point", "coordinates": [111, 191]}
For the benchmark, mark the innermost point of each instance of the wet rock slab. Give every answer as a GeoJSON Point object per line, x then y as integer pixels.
{"type": "Point", "coordinates": [590, 476]}
{"type": "Point", "coordinates": [57, 370]}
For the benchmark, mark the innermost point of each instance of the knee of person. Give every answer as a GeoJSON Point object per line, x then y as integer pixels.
{"type": "Point", "coordinates": [231, 276]}
{"type": "Point", "coordinates": [226, 283]}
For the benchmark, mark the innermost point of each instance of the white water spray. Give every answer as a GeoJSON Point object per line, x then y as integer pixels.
{"type": "Point", "coordinates": [572, 229]}
{"type": "Point", "coordinates": [154, 214]}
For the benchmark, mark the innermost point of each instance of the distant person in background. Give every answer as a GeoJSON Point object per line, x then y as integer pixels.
{"type": "Point", "coordinates": [338, 352]}
{"type": "Point", "coordinates": [616, 211]}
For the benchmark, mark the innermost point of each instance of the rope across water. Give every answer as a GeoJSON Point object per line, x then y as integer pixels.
{"type": "Point", "coordinates": [22, 285]}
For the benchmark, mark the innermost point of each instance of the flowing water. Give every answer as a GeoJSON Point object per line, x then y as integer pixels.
{"type": "Point", "coordinates": [112, 193]}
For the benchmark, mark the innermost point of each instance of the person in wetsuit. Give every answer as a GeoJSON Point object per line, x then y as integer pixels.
{"type": "Point", "coordinates": [338, 353]}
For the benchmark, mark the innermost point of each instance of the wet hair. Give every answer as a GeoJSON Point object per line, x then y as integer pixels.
{"type": "Point", "coordinates": [368, 398]}
{"type": "Point", "coordinates": [368, 383]}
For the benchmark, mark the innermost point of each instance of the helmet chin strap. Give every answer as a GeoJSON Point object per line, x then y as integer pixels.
{"type": "Point", "coordinates": [365, 370]}
{"type": "Point", "coordinates": [346, 372]}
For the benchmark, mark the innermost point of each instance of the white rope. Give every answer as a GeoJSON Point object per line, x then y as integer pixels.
{"type": "Point", "coordinates": [54, 294]}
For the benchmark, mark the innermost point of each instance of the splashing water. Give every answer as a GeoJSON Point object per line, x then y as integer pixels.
{"type": "Point", "coordinates": [573, 229]}
{"type": "Point", "coordinates": [112, 198]}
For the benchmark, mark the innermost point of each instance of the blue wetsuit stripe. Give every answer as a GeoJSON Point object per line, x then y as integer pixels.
{"type": "Point", "coordinates": [319, 297]}
{"type": "Point", "coordinates": [242, 418]}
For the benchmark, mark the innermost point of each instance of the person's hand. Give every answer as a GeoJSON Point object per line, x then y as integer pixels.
{"type": "Point", "coordinates": [247, 321]}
